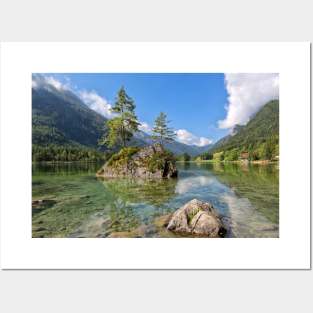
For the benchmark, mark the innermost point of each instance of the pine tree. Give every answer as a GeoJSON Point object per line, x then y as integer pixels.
{"type": "Point", "coordinates": [161, 132]}
{"type": "Point", "coordinates": [121, 128]}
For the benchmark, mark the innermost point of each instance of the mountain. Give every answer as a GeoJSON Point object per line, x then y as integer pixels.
{"type": "Point", "coordinates": [178, 148]}
{"type": "Point", "coordinates": [60, 117]}
{"type": "Point", "coordinates": [262, 127]}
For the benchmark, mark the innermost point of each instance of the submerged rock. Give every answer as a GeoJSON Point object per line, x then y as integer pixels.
{"type": "Point", "coordinates": [162, 221]}
{"type": "Point", "coordinates": [148, 162]}
{"type": "Point", "coordinates": [199, 218]}
{"type": "Point", "coordinates": [42, 204]}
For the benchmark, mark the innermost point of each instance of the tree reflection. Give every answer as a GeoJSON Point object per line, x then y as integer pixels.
{"type": "Point", "coordinates": [154, 192]}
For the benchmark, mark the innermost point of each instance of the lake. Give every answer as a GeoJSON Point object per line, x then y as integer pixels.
{"type": "Point", "coordinates": [77, 204]}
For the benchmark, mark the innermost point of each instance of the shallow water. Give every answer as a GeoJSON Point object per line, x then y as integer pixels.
{"type": "Point", "coordinates": [85, 206]}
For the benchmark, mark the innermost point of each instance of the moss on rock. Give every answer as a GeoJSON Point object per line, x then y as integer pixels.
{"type": "Point", "coordinates": [148, 162]}
{"type": "Point", "coordinates": [122, 157]}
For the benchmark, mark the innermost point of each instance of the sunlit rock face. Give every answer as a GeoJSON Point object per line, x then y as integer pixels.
{"type": "Point", "coordinates": [199, 218]}
{"type": "Point", "coordinates": [149, 162]}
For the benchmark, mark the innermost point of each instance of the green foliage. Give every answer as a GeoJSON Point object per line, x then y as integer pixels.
{"type": "Point", "coordinates": [205, 156]}
{"type": "Point", "coordinates": [122, 157]}
{"type": "Point", "coordinates": [267, 150]}
{"type": "Point", "coordinates": [123, 102]}
{"type": "Point", "coordinates": [113, 133]}
{"type": "Point", "coordinates": [255, 155]}
{"type": "Point", "coordinates": [161, 132]}
{"type": "Point", "coordinates": [260, 137]}
{"type": "Point", "coordinates": [270, 147]}
{"type": "Point", "coordinates": [231, 155]}
{"type": "Point", "coordinates": [158, 160]}
{"type": "Point", "coordinates": [154, 162]}
{"type": "Point", "coordinates": [120, 129]}
{"type": "Point", "coordinates": [55, 153]}
{"type": "Point", "coordinates": [264, 125]}
{"type": "Point", "coordinates": [192, 214]}
{"type": "Point", "coordinates": [184, 157]}
{"type": "Point", "coordinates": [218, 156]}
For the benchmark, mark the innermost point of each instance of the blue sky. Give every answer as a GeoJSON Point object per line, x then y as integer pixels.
{"type": "Point", "coordinates": [202, 107]}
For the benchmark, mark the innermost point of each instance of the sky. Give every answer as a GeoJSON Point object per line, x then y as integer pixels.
{"type": "Point", "coordinates": [202, 107]}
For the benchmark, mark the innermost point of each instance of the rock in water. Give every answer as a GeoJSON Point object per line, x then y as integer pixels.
{"type": "Point", "coordinates": [148, 162]}
{"type": "Point", "coordinates": [197, 217]}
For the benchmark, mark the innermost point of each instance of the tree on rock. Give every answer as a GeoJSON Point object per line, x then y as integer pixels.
{"type": "Point", "coordinates": [161, 132]}
{"type": "Point", "coordinates": [121, 128]}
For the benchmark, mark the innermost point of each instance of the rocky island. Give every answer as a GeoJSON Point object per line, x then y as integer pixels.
{"type": "Point", "coordinates": [150, 162]}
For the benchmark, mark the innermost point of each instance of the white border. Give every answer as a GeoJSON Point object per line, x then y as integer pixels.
{"type": "Point", "coordinates": [290, 251]}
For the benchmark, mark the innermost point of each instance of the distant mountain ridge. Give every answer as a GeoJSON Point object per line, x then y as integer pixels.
{"type": "Point", "coordinates": [176, 147]}
{"type": "Point", "coordinates": [62, 118]}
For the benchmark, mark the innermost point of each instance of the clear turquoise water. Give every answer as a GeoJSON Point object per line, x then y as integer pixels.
{"type": "Point", "coordinates": [84, 206]}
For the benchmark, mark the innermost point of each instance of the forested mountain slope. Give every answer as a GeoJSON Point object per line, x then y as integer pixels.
{"type": "Point", "coordinates": [62, 118]}
{"type": "Point", "coordinates": [263, 126]}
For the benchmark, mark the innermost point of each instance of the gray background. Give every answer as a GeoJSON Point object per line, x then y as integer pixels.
{"type": "Point", "coordinates": [156, 291]}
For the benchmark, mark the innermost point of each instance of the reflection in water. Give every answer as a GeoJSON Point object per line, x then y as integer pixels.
{"type": "Point", "coordinates": [258, 183]}
{"type": "Point", "coordinates": [188, 183]}
{"type": "Point", "coordinates": [130, 203]}
{"type": "Point", "coordinates": [66, 168]}
{"type": "Point", "coordinates": [245, 221]}
{"type": "Point", "coordinates": [84, 206]}
{"type": "Point", "coordinates": [154, 192]}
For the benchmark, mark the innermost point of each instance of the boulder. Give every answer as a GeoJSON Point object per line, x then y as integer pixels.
{"type": "Point", "coordinates": [199, 218]}
{"type": "Point", "coordinates": [148, 162]}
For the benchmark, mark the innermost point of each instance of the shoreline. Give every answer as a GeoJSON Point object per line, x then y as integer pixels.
{"type": "Point", "coordinates": [262, 162]}
{"type": "Point", "coordinates": [64, 162]}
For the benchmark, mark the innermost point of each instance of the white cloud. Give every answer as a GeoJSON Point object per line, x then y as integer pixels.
{"type": "Point", "coordinates": [97, 103]}
{"type": "Point", "coordinates": [91, 99]}
{"type": "Point", "coordinates": [145, 127]}
{"type": "Point", "coordinates": [247, 93]}
{"type": "Point", "coordinates": [55, 83]}
{"type": "Point", "coordinates": [34, 83]}
{"type": "Point", "coordinates": [49, 82]}
{"type": "Point", "coordinates": [184, 136]}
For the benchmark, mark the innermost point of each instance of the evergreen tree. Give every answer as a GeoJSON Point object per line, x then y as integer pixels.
{"type": "Point", "coordinates": [161, 132]}
{"type": "Point", "coordinates": [186, 157]}
{"type": "Point", "coordinates": [121, 128]}
{"type": "Point", "coordinates": [55, 153]}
